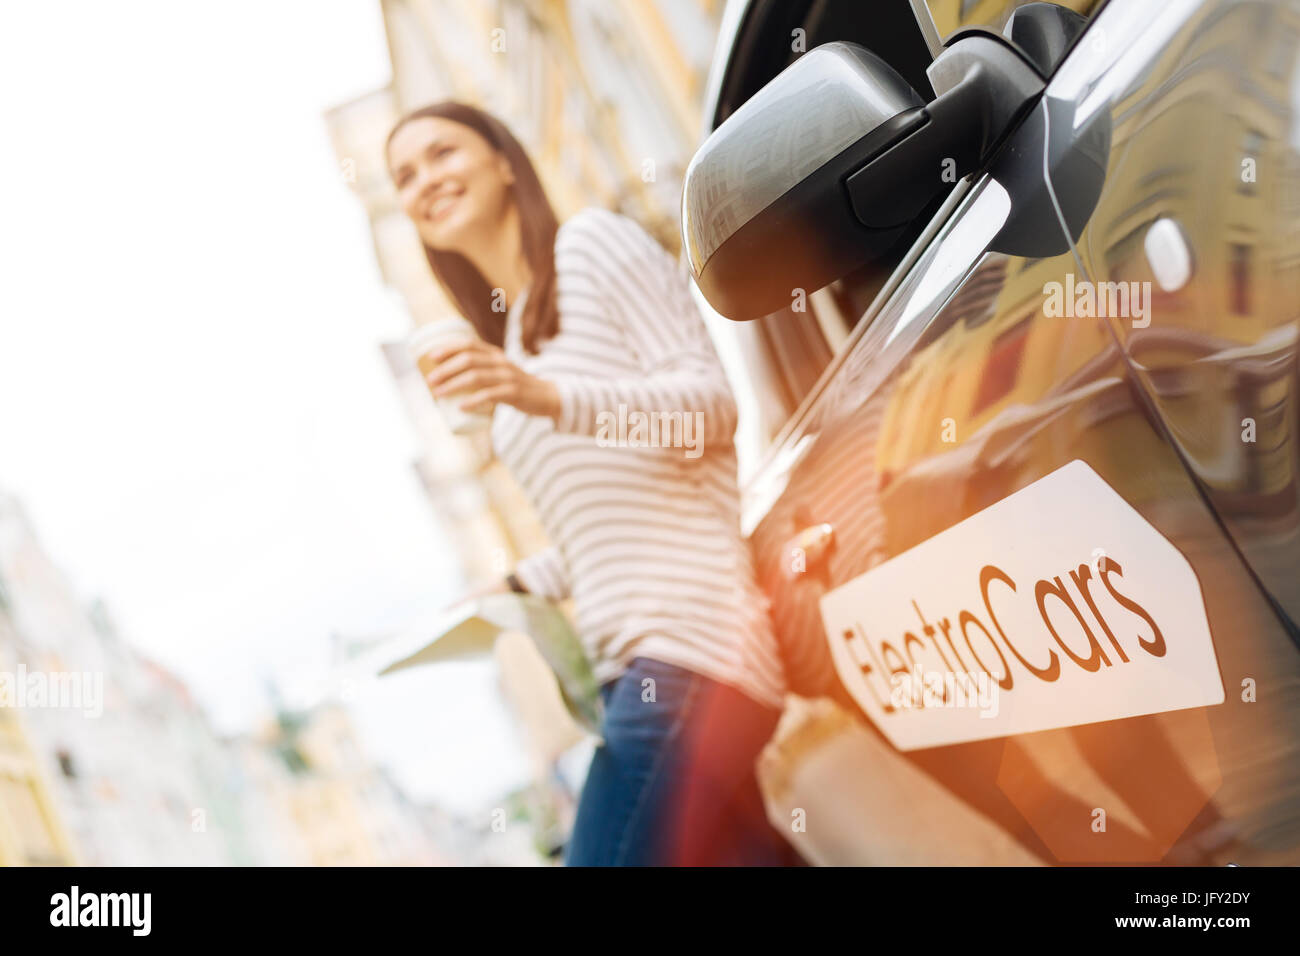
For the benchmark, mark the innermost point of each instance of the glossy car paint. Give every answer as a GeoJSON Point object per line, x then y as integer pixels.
{"type": "Point", "coordinates": [958, 388]}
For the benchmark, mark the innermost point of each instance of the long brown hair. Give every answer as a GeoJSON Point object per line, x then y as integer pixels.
{"type": "Point", "coordinates": [463, 283]}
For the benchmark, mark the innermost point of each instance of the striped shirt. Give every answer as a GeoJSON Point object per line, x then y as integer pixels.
{"type": "Point", "coordinates": [635, 482]}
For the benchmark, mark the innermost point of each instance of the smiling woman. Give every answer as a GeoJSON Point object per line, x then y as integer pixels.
{"type": "Point", "coordinates": [581, 326]}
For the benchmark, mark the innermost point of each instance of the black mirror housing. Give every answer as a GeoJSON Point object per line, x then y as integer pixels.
{"type": "Point", "coordinates": [828, 165]}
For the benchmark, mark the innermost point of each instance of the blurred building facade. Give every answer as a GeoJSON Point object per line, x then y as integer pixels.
{"type": "Point", "coordinates": [131, 773]}
{"type": "Point", "coordinates": [115, 773]}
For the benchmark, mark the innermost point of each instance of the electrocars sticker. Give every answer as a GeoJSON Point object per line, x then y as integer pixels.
{"type": "Point", "coordinates": [1058, 605]}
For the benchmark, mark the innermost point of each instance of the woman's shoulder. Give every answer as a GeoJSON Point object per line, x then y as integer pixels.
{"type": "Point", "coordinates": [592, 222]}
{"type": "Point", "coordinates": [605, 236]}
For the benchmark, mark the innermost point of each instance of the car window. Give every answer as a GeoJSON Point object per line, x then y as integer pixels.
{"type": "Point", "coordinates": [952, 15]}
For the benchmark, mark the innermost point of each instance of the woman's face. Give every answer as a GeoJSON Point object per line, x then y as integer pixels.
{"type": "Point", "coordinates": [450, 181]}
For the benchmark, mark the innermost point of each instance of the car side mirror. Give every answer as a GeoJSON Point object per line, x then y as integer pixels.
{"type": "Point", "coordinates": [826, 167]}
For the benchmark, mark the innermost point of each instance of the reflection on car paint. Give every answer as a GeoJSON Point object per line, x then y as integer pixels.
{"type": "Point", "coordinates": [983, 394]}
{"type": "Point", "coordinates": [1219, 359]}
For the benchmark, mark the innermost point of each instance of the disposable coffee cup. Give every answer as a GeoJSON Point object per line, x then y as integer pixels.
{"type": "Point", "coordinates": [421, 343]}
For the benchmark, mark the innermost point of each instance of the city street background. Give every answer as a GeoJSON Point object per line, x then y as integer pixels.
{"type": "Point", "coordinates": [219, 484]}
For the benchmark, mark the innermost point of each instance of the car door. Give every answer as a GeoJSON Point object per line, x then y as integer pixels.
{"type": "Point", "coordinates": [973, 420]}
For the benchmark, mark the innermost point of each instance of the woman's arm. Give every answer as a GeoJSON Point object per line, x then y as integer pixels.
{"type": "Point", "coordinates": [647, 294]}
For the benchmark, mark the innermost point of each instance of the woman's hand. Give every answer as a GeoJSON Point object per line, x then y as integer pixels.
{"type": "Point", "coordinates": [483, 371]}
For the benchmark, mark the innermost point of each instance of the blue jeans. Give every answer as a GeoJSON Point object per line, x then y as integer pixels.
{"type": "Point", "coordinates": [674, 782]}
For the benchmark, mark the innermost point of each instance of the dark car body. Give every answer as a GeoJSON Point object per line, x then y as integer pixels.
{"type": "Point", "coordinates": [959, 386]}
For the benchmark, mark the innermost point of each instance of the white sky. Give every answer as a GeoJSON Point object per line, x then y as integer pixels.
{"type": "Point", "coordinates": [193, 406]}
